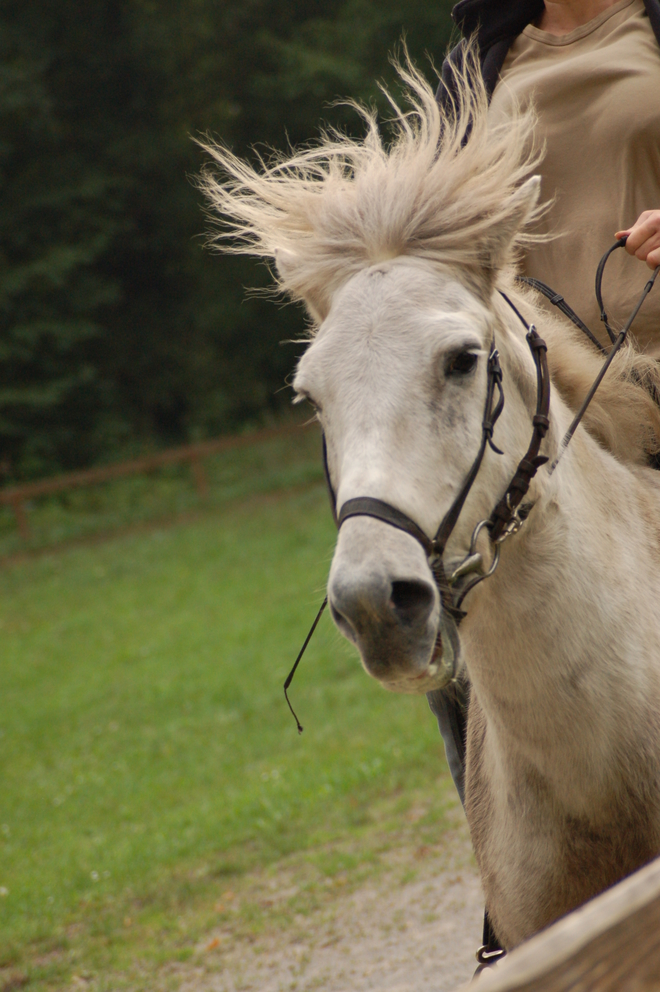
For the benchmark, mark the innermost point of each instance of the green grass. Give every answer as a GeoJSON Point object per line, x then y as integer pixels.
{"type": "Point", "coordinates": [149, 765]}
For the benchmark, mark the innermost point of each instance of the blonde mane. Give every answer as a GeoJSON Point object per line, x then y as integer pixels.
{"type": "Point", "coordinates": [344, 203]}
{"type": "Point", "coordinates": [444, 189]}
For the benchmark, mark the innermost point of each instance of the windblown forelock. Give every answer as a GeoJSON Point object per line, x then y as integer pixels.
{"type": "Point", "coordinates": [439, 191]}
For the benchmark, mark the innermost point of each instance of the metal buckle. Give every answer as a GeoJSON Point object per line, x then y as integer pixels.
{"type": "Point", "coordinates": [514, 524]}
{"type": "Point", "coordinates": [489, 956]}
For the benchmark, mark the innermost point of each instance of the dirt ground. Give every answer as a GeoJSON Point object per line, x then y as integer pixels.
{"type": "Point", "coordinates": [390, 935]}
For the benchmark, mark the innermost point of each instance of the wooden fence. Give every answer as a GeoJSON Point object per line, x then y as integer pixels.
{"type": "Point", "coordinates": [193, 454]}
{"type": "Point", "coordinates": [612, 944]}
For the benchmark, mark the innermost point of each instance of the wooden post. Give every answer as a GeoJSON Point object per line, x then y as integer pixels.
{"type": "Point", "coordinates": [200, 477]}
{"type": "Point", "coordinates": [16, 496]}
{"type": "Point", "coordinates": [21, 519]}
{"type": "Point", "coordinates": [611, 944]}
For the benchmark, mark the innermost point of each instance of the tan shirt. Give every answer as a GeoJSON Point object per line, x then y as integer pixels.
{"type": "Point", "coordinates": [597, 95]}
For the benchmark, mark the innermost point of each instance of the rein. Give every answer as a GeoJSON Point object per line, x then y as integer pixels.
{"type": "Point", "coordinates": [558, 301]}
{"type": "Point", "coordinates": [510, 512]}
{"type": "Point", "coordinates": [617, 341]}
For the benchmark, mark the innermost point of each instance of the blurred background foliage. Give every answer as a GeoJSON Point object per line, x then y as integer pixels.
{"type": "Point", "coordinates": [117, 330]}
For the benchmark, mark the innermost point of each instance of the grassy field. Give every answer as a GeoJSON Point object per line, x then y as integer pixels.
{"type": "Point", "coordinates": [149, 765]}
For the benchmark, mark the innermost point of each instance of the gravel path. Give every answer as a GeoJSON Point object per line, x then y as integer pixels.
{"type": "Point", "coordinates": [389, 936]}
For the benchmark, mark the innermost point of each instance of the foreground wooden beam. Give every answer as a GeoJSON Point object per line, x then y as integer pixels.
{"type": "Point", "coordinates": [612, 944]}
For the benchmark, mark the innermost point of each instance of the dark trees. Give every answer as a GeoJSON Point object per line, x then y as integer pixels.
{"type": "Point", "coordinates": [116, 328]}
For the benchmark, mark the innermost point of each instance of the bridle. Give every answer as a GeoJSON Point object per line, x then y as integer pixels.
{"type": "Point", "coordinates": [510, 512]}
{"type": "Point", "coordinates": [506, 518]}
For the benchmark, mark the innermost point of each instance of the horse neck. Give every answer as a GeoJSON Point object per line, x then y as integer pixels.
{"type": "Point", "coordinates": [561, 643]}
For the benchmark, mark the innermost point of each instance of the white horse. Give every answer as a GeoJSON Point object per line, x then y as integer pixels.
{"type": "Point", "coordinates": [398, 253]}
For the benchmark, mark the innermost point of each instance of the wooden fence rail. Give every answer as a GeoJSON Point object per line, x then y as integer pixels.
{"type": "Point", "coordinates": [611, 944]}
{"type": "Point", "coordinates": [194, 454]}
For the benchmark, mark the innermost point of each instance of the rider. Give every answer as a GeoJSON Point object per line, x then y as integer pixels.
{"type": "Point", "coordinates": [592, 70]}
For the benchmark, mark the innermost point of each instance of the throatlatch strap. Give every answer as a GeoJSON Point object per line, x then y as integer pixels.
{"type": "Point", "coordinates": [505, 511]}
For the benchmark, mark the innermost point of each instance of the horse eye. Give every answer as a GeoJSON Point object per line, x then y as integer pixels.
{"type": "Point", "coordinates": [308, 399]}
{"type": "Point", "coordinates": [461, 364]}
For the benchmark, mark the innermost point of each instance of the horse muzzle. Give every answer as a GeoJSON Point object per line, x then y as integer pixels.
{"type": "Point", "coordinates": [383, 598]}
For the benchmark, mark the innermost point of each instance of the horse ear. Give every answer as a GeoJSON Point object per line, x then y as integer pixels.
{"type": "Point", "coordinates": [521, 210]}
{"type": "Point", "coordinates": [291, 271]}
{"type": "Point", "coordinates": [287, 263]}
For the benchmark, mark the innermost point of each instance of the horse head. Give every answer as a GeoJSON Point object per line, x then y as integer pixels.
{"type": "Point", "coordinates": [397, 374]}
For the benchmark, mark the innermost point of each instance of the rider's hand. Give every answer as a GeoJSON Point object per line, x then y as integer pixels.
{"type": "Point", "coordinates": [644, 238]}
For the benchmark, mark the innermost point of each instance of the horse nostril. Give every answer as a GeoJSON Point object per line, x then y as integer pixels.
{"type": "Point", "coordinates": [412, 601]}
{"type": "Point", "coordinates": [344, 626]}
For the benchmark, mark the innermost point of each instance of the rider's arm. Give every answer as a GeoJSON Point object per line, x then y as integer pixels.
{"type": "Point", "coordinates": [644, 238]}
